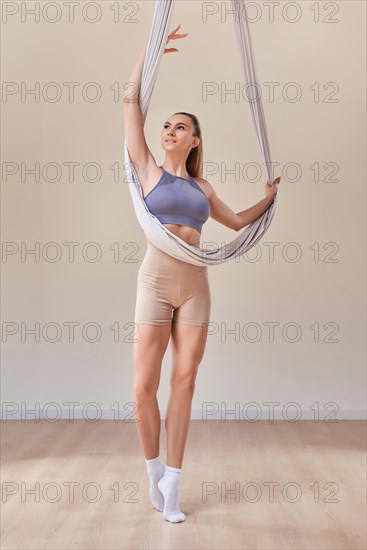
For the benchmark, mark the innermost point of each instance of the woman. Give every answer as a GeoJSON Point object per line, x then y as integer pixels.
{"type": "Point", "coordinates": [173, 297]}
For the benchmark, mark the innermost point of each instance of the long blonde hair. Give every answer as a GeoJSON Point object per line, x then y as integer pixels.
{"type": "Point", "coordinates": [194, 161]}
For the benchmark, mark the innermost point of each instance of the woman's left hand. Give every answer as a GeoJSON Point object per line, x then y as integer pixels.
{"type": "Point", "coordinates": [271, 190]}
{"type": "Point", "coordinates": [174, 36]}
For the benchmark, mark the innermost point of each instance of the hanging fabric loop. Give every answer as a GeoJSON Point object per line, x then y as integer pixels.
{"type": "Point", "coordinates": [157, 233]}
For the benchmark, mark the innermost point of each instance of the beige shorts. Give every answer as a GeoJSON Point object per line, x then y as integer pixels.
{"type": "Point", "coordinates": [171, 290]}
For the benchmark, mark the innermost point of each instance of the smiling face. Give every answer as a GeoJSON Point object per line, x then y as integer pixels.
{"type": "Point", "coordinates": [177, 134]}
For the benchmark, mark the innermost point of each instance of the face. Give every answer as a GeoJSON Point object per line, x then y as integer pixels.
{"type": "Point", "coordinates": [177, 134]}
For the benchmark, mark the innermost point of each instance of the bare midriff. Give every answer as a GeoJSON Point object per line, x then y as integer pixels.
{"type": "Point", "coordinates": [187, 234]}
{"type": "Point", "coordinates": [184, 232]}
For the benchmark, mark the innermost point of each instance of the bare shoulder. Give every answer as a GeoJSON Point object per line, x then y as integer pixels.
{"type": "Point", "coordinates": [205, 186]}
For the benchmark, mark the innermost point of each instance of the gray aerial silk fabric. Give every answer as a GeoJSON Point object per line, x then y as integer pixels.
{"type": "Point", "coordinates": [157, 233]}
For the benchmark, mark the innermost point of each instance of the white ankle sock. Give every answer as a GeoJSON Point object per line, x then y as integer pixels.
{"type": "Point", "coordinates": [169, 485]}
{"type": "Point", "coordinates": [155, 469]}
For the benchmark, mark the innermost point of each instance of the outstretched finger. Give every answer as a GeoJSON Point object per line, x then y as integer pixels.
{"type": "Point", "coordinates": [175, 36]}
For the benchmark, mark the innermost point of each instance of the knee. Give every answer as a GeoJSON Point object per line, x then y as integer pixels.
{"type": "Point", "coordinates": [184, 384]}
{"type": "Point", "coordinates": [144, 392]}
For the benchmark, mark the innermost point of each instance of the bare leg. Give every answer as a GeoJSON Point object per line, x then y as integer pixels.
{"type": "Point", "coordinates": [188, 345]}
{"type": "Point", "coordinates": [148, 353]}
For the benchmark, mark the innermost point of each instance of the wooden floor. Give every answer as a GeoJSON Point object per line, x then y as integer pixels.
{"type": "Point", "coordinates": [317, 471]}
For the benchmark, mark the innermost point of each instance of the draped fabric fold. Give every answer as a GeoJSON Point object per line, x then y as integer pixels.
{"type": "Point", "coordinates": [157, 233]}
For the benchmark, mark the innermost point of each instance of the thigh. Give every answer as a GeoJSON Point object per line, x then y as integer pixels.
{"type": "Point", "coordinates": [188, 347]}
{"type": "Point", "coordinates": [155, 296]}
{"type": "Point", "coordinates": [152, 308]}
{"type": "Point", "coordinates": [195, 299]}
{"type": "Point", "coordinates": [150, 344]}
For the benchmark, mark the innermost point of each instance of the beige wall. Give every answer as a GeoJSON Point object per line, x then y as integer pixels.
{"type": "Point", "coordinates": [321, 137]}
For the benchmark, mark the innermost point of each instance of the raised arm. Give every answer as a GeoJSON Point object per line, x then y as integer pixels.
{"type": "Point", "coordinates": [134, 129]}
{"type": "Point", "coordinates": [139, 151]}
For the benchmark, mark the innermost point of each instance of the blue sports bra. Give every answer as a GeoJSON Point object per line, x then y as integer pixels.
{"type": "Point", "coordinates": [178, 200]}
